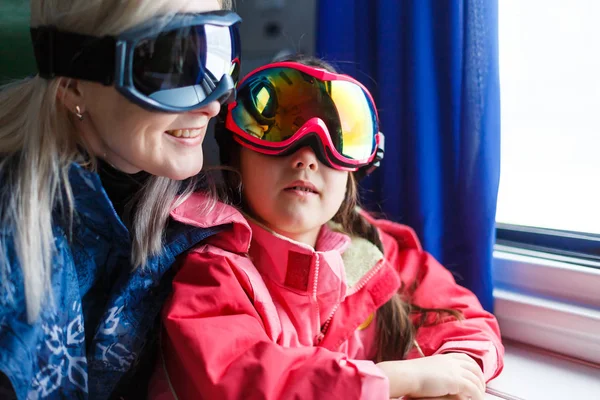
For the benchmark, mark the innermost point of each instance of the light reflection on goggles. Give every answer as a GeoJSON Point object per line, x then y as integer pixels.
{"type": "Point", "coordinates": [282, 105]}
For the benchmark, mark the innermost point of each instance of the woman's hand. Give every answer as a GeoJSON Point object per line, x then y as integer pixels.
{"type": "Point", "coordinates": [448, 376]}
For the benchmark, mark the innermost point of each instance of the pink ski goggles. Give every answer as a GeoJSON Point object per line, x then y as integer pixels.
{"type": "Point", "coordinates": [284, 106]}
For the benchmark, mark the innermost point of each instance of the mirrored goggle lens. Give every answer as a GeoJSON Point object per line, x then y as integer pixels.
{"type": "Point", "coordinates": [181, 67]}
{"type": "Point", "coordinates": [273, 104]}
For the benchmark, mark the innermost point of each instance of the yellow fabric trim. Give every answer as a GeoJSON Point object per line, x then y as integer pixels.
{"type": "Point", "coordinates": [366, 323]}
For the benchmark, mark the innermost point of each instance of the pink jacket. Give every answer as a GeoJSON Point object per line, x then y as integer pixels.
{"type": "Point", "coordinates": [255, 315]}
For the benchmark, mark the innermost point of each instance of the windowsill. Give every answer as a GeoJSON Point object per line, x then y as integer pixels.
{"type": "Point", "coordinates": [533, 374]}
{"type": "Point", "coordinates": [546, 305]}
{"type": "Point", "coordinates": [550, 304]}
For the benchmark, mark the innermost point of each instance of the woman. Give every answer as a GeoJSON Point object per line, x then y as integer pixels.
{"type": "Point", "coordinates": [93, 151]}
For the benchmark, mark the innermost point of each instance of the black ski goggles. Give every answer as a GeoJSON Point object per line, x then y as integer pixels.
{"type": "Point", "coordinates": [170, 64]}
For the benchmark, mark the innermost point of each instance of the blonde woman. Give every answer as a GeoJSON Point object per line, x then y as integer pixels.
{"type": "Point", "coordinates": [93, 151]}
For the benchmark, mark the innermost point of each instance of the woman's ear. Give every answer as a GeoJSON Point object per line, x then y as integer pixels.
{"type": "Point", "coordinates": [70, 94]}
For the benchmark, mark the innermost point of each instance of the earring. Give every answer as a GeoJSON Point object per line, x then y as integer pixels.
{"type": "Point", "coordinates": [79, 113]}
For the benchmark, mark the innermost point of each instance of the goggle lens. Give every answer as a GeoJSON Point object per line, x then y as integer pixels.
{"type": "Point", "coordinates": [357, 117]}
{"type": "Point", "coordinates": [182, 67]}
{"type": "Point", "coordinates": [275, 103]}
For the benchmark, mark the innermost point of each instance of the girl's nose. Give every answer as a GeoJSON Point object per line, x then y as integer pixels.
{"type": "Point", "coordinates": [305, 158]}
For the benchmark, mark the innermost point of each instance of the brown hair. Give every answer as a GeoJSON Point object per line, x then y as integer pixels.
{"type": "Point", "coordinates": [395, 327]}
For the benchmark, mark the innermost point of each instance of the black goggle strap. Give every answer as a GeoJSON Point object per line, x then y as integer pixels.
{"type": "Point", "coordinates": [372, 166]}
{"type": "Point", "coordinates": [74, 55]}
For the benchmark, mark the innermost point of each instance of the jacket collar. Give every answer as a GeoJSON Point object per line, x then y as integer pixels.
{"type": "Point", "coordinates": [92, 201]}
{"type": "Point", "coordinates": [330, 238]}
{"type": "Point", "coordinates": [204, 211]}
{"type": "Point", "coordinates": [343, 260]}
{"type": "Point", "coordinates": [298, 266]}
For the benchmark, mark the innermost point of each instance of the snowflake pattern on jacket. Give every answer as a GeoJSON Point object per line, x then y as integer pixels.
{"type": "Point", "coordinates": [92, 331]}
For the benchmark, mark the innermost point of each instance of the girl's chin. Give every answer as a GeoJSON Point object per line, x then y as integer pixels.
{"type": "Point", "coordinates": [299, 226]}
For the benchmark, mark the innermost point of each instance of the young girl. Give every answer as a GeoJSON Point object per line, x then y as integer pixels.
{"type": "Point", "coordinates": [303, 295]}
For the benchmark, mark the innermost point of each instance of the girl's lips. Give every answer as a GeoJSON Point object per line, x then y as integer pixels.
{"type": "Point", "coordinates": [302, 187]}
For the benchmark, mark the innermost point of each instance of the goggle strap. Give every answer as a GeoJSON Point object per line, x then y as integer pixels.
{"type": "Point", "coordinates": [76, 56]}
{"type": "Point", "coordinates": [373, 165]}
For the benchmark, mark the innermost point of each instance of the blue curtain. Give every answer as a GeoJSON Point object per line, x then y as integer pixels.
{"type": "Point", "coordinates": [432, 66]}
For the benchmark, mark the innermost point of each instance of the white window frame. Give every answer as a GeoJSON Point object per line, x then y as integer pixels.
{"type": "Point", "coordinates": [547, 301]}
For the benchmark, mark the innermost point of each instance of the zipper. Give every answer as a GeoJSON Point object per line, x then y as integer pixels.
{"type": "Point", "coordinates": [327, 323]}
{"type": "Point", "coordinates": [355, 289]}
{"type": "Point", "coordinates": [315, 289]}
{"type": "Point", "coordinates": [365, 279]}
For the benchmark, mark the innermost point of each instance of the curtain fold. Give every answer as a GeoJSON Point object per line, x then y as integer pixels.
{"type": "Point", "coordinates": [432, 66]}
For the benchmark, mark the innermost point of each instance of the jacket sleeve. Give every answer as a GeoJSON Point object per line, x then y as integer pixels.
{"type": "Point", "coordinates": [19, 340]}
{"type": "Point", "coordinates": [215, 346]}
{"type": "Point", "coordinates": [477, 334]}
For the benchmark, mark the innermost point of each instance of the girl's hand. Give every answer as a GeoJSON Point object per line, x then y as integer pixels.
{"type": "Point", "coordinates": [453, 376]}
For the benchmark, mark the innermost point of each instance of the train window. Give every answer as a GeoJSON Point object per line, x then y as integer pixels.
{"type": "Point", "coordinates": [550, 96]}
{"type": "Point", "coordinates": [547, 254]}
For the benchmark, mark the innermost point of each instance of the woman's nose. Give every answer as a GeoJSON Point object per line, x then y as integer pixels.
{"type": "Point", "coordinates": [210, 110]}
{"type": "Point", "coordinates": [305, 158]}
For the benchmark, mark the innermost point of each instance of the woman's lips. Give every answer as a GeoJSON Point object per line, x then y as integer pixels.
{"type": "Point", "coordinates": [186, 133]}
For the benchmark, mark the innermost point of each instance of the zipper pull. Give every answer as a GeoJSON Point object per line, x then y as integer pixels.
{"type": "Point", "coordinates": [319, 338]}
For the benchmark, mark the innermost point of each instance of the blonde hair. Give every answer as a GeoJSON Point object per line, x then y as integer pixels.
{"type": "Point", "coordinates": [38, 143]}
